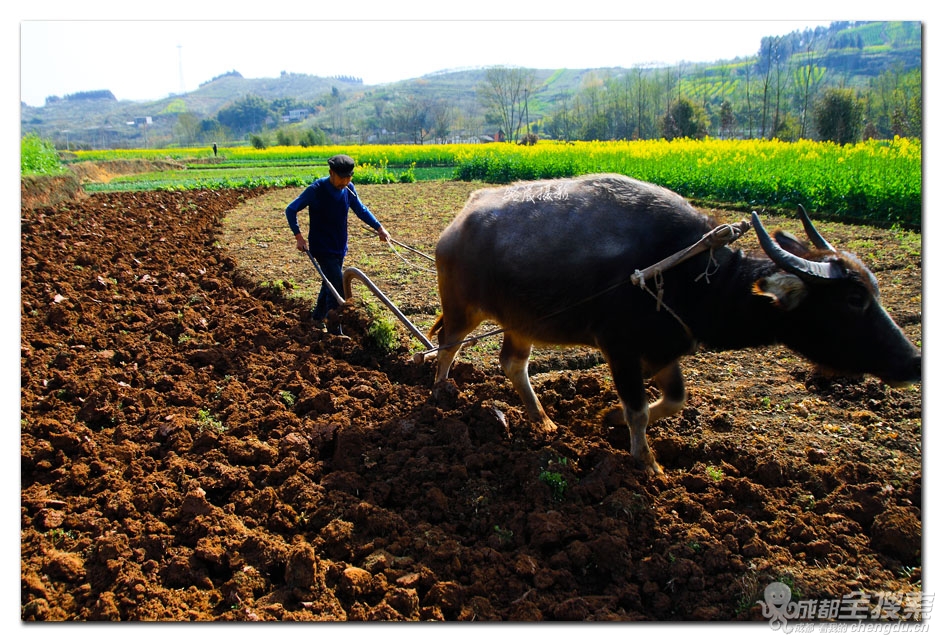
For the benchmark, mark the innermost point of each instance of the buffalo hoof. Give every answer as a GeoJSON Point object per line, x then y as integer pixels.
{"type": "Point", "coordinates": [548, 427]}
{"type": "Point", "coordinates": [543, 431]}
{"type": "Point", "coordinates": [445, 394]}
{"type": "Point", "coordinates": [648, 463]}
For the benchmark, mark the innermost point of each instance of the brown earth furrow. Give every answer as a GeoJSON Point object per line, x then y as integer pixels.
{"type": "Point", "coordinates": [191, 449]}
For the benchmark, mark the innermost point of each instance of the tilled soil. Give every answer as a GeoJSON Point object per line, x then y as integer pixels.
{"type": "Point", "coordinates": [192, 449]}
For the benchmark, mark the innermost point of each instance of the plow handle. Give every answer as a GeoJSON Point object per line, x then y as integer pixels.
{"type": "Point", "coordinates": [326, 281]}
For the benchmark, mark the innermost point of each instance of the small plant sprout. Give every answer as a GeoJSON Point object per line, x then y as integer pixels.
{"type": "Point", "coordinates": [503, 534]}
{"type": "Point", "coordinates": [381, 331]}
{"type": "Point", "coordinates": [287, 398]}
{"type": "Point", "coordinates": [206, 420]}
{"type": "Point", "coordinates": [715, 474]}
{"type": "Point", "coordinates": [555, 482]}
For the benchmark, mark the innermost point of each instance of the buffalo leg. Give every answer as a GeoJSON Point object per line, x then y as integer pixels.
{"type": "Point", "coordinates": [445, 358]}
{"type": "Point", "coordinates": [628, 379]}
{"type": "Point", "coordinates": [457, 326]}
{"type": "Point", "coordinates": [670, 382]}
{"type": "Point", "coordinates": [514, 357]}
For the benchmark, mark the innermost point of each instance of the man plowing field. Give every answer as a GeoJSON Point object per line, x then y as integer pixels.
{"type": "Point", "coordinates": [329, 200]}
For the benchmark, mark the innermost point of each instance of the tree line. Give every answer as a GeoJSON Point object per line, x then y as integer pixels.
{"type": "Point", "coordinates": [801, 85]}
{"type": "Point", "coordinates": [808, 84]}
{"type": "Point", "coordinates": [738, 100]}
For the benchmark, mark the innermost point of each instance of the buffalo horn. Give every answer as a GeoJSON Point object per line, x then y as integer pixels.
{"type": "Point", "coordinates": [814, 236]}
{"type": "Point", "coordinates": [790, 262]}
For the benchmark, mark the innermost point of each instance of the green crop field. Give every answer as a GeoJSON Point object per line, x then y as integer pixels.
{"type": "Point", "coordinates": [876, 182]}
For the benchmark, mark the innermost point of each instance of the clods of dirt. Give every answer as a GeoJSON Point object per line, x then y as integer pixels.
{"type": "Point", "coordinates": [193, 449]}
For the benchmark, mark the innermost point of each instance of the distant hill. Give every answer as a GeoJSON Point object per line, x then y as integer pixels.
{"type": "Point", "coordinates": [106, 121]}
{"type": "Point", "coordinates": [851, 54]}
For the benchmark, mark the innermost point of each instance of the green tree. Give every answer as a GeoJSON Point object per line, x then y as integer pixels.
{"type": "Point", "coordinates": [839, 116]}
{"type": "Point", "coordinates": [210, 129]}
{"type": "Point", "coordinates": [907, 105]}
{"type": "Point", "coordinates": [314, 138]}
{"type": "Point", "coordinates": [893, 103]}
{"type": "Point", "coordinates": [685, 120]}
{"type": "Point", "coordinates": [284, 138]}
{"type": "Point", "coordinates": [245, 115]}
{"type": "Point", "coordinates": [907, 118]}
{"type": "Point", "coordinates": [187, 128]}
{"type": "Point", "coordinates": [787, 128]}
{"type": "Point", "coordinates": [726, 116]}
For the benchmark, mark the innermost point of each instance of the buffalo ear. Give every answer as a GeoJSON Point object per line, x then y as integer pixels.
{"type": "Point", "coordinates": [791, 244]}
{"type": "Point", "coordinates": [784, 289]}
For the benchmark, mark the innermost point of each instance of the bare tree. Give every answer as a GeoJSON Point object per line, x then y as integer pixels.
{"type": "Point", "coordinates": [441, 116]}
{"type": "Point", "coordinates": [781, 80]}
{"type": "Point", "coordinates": [768, 61]}
{"type": "Point", "coordinates": [806, 78]}
{"type": "Point", "coordinates": [412, 116]}
{"type": "Point", "coordinates": [620, 109]}
{"type": "Point", "coordinates": [503, 93]}
{"type": "Point", "coordinates": [561, 119]}
{"type": "Point", "coordinates": [639, 90]}
{"type": "Point", "coordinates": [747, 98]}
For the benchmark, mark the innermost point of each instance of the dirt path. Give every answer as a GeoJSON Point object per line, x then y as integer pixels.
{"type": "Point", "coordinates": [192, 450]}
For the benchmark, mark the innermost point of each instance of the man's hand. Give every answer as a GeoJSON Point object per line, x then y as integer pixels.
{"type": "Point", "coordinates": [301, 242]}
{"type": "Point", "coordinates": [383, 234]}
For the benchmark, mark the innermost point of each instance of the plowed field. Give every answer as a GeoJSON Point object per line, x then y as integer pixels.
{"type": "Point", "coordinates": [192, 449]}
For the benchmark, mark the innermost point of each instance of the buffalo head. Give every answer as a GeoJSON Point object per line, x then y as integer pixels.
{"type": "Point", "coordinates": [834, 306]}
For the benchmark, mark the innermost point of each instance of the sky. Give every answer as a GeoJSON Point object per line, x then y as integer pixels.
{"type": "Point", "coordinates": [147, 51]}
{"type": "Point", "coordinates": [150, 59]}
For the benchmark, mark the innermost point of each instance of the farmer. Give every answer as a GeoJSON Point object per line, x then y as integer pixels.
{"type": "Point", "coordinates": [329, 200]}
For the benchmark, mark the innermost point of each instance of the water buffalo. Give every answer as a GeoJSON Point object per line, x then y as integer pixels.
{"type": "Point", "coordinates": [551, 262]}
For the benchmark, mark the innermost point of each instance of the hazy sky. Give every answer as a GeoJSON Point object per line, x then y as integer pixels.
{"type": "Point", "coordinates": [147, 59]}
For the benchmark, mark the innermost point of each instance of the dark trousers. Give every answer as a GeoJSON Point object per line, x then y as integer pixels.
{"type": "Point", "coordinates": [332, 267]}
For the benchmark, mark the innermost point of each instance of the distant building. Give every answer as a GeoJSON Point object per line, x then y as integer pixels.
{"type": "Point", "coordinates": [141, 121]}
{"type": "Point", "coordinates": [296, 115]}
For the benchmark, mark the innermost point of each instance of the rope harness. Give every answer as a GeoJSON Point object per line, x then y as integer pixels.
{"type": "Point", "coordinates": [392, 242]}
{"type": "Point", "coordinates": [718, 237]}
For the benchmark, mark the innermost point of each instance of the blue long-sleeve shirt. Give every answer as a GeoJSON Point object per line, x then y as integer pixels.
{"type": "Point", "coordinates": [329, 212]}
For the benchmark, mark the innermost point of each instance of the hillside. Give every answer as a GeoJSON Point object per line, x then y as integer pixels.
{"type": "Point", "coordinates": [849, 54]}
{"type": "Point", "coordinates": [101, 122]}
